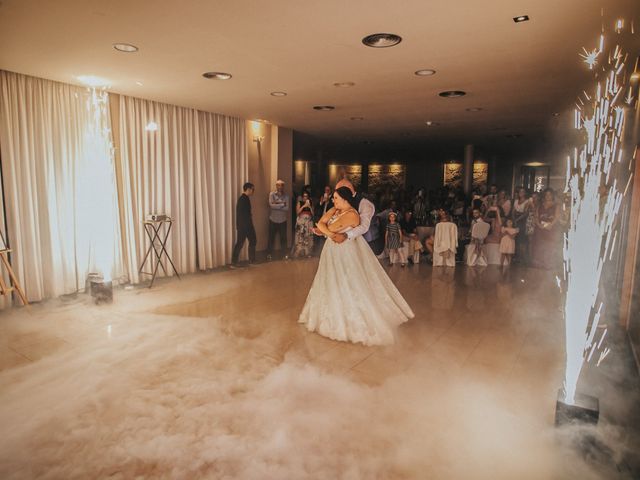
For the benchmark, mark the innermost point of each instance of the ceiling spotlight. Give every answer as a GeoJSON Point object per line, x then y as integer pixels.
{"type": "Point", "coordinates": [381, 40]}
{"type": "Point", "coordinates": [278, 94]}
{"type": "Point", "coordinates": [216, 75]}
{"type": "Point", "coordinates": [324, 108]}
{"type": "Point", "coordinates": [452, 93]}
{"type": "Point", "coordinates": [344, 84]}
{"type": "Point", "coordinates": [474, 109]}
{"type": "Point", "coordinates": [425, 72]}
{"type": "Point", "coordinates": [139, 84]}
{"type": "Point", "coordinates": [555, 114]}
{"type": "Point", "coordinates": [125, 47]}
{"type": "Point", "coordinates": [429, 123]}
{"type": "Point", "coordinates": [357, 118]}
{"type": "Point", "coordinates": [521, 18]}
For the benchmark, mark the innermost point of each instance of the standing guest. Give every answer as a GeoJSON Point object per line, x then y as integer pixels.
{"type": "Point", "coordinates": [508, 242]}
{"type": "Point", "coordinates": [490, 198]}
{"type": "Point", "coordinates": [393, 240]}
{"type": "Point", "coordinates": [325, 203]}
{"type": "Point", "coordinates": [520, 214]}
{"type": "Point", "coordinates": [534, 202]}
{"type": "Point", "coordinates": [544, 237]}
{"type": "Point", "coordinates": [411, 242]}
{"type": "Point", "coordinates": [244, 226]}
{"type": "Point", "coordinates": [303, 244]}
{"type": "Point", "coordinates": [279, 205]}
{"type": "Point", "coordinates": [420, 208]}
{"type": "Point", "coordinates": [494, 218]}
{"type": "Point", "coordinates": [504, 203]}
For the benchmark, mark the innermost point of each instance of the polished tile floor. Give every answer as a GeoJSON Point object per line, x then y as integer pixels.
{"type": "Point", "coordinates": [232, 387]}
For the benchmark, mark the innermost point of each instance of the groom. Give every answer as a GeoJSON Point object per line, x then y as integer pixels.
{"type": "Point", "coordinates": [366, 210]}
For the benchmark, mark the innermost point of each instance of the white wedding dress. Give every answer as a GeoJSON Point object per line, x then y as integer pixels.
{"type": "Point", "coordinates": [352, 298]}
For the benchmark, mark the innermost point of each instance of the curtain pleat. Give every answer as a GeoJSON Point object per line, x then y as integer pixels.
{"type": "Point", "coordinates": [49, 146]}
{"type": "Point", "coordinates": [191, 168]}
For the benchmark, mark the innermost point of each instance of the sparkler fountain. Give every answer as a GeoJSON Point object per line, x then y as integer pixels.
{"type": "Point", "coordinates": [97, 204]}
{"type": "Point", "coordinates": [591, 238]}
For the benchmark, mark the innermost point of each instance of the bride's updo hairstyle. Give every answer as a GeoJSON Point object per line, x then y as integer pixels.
{"type": "Point", "coordinates": [346, 194]}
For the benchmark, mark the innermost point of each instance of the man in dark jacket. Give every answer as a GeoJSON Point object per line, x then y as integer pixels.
{"type": "Point", "coordinates": [244, 225]}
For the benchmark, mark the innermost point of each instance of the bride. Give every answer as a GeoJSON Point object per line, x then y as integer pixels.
{"type": "Point", "coordinates": [352, 298]}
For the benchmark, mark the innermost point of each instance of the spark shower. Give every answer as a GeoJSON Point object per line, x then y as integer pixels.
{"type": "Point", "coordinates": [595, 201]}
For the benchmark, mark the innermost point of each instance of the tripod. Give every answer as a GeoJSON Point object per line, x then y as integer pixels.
{"type": "Point", "coordinates": [4, 263]}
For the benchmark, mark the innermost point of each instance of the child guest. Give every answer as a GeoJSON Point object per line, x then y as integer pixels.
{"type": "Point", "coordinates": [393, 241]}
{"type": "Point", "coordinates": [508, 242]}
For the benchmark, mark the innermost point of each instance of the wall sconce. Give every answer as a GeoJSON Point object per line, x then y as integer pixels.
{"type": "Point", "coordinates": [258, 138]}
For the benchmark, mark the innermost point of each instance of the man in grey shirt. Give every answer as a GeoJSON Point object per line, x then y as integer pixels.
{"type": "Point", "coordinates": [279, 211]}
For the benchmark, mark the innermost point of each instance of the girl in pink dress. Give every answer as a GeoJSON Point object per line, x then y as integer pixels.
{"type": "Point", "coordinates": [508, 242]}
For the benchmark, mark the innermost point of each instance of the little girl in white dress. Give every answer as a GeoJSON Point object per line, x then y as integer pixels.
{"type": "Point", "coordinates": [508, 242]}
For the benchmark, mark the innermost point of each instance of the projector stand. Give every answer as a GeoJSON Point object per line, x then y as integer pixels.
{"type": "Point", "coordinates": [157, 246]}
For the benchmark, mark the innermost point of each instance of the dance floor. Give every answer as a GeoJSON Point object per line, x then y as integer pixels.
{"type": "Point", "coordinates": [211, 377]}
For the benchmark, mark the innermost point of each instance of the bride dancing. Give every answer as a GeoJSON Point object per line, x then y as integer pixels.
{"type": "Point", "coordinates": [352, 298]}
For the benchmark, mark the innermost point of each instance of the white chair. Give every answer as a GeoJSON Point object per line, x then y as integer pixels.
{"type": "Point", "coordinates": [475, 253]}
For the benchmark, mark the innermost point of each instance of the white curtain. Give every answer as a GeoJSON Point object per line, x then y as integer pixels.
{"type": "Point", "coordinates": [59, 183]}
{"type": "Point", "coordinates": [189, 165]}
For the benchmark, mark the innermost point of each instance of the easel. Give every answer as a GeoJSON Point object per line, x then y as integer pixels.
{"type": "Point", "coordinates": [4, 260]}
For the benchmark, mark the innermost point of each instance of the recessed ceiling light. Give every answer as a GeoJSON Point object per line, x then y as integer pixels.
{"type": "Point", "coordinates": [367, 142]}
{"type": "Point", "coordinates": [429, 123]}
{"type": "Point", "coordinates": [139, 84]}
{"type": "Point", "coordinates": [324, 108]}
{"type": "Point", "coordinates": [357, 118]}
{"type": "Point", "coordinates": [278, 94]}
{"type": "Point", "coordinates": [217, 75]}
{"type": "Point", "coordinates": [125, 47]}
{"type": "Point", "coordinates": [425, 72]}
{"type": "Point", "coordinates": [521, 18]}
{"type": "Point", "coordinates": [344, 84]}
{"type": "Point", "coordinates": [474, 109]}
{"type": "Point", "coordinates": [452, 93]}
{"type": "Point", "coordinates": [382, 40]}
{"type": "Point", "coordinates": [555, 114]}
{"type": "Point", "coordinates": [514, 135]}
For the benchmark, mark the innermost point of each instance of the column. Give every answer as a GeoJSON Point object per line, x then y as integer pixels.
{"type": "Point", "coordinates": [467, 169]}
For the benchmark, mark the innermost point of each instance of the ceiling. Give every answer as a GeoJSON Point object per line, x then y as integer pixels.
{"type": "Point", "coordinates": [519, 74]}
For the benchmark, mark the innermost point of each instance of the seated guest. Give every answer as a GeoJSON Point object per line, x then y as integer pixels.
{"type": "Point", "coordinates": [445, 243]}
{"type": "Point", "coordinates": [410, 236]}
{"type": "Point", "coordinates": [428, 245]}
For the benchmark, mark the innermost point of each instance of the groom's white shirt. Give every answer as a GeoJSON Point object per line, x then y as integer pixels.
{"type": "Point", "coordinates": [366, 210]}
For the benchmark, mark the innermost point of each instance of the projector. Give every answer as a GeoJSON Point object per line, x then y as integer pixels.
{"type": "Point", "coordinates": [157, 217]}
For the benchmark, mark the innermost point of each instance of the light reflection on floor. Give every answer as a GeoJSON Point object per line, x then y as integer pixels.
{"type": "Point", "coordinates": [485, 343]}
